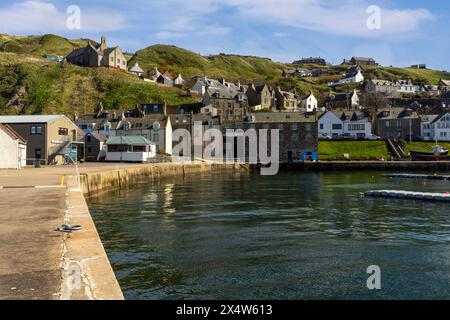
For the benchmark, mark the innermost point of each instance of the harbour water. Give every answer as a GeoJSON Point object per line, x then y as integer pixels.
{"type": "Point", "coordinates": [291, 236]}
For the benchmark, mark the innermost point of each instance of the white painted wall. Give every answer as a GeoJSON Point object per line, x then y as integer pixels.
{"type": "Point", "coordinates": [326, 122]}
{"type": "Point", "coordinates": [132, 156]}
{"type": "Point", "coordinates": [10, 151]}
{"type": "Point", "coordinates": [439, 131]}
{"type": "Point", "coordinates": [310, 104]}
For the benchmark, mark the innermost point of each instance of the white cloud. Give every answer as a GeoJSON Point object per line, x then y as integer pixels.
{"type": "Point", "coordinates": [347, 17]}
{"type": "Point", "coordinates": [38, 16]}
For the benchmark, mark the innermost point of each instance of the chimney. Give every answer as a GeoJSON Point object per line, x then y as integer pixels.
{"type": "Point", "coordinates": [103, 45]}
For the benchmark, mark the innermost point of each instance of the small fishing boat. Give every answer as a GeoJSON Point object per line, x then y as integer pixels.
{"type": "Point", "coordinates": [438, 154]}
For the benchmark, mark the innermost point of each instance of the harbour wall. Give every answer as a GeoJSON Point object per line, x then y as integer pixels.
{"type": "Point", "coordinates": [368, 165]}
{"type": "Point", "coordinates": [96, 182]}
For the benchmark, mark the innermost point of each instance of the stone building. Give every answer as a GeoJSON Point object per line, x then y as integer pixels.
{"type": "Point", "coordinates": [398, 123]}
{"type": "Point", "coordinates": [229, 104]}
{"type": "Point", "coordinates": [98, 56]}
{"type": "Point", "coordinates": [286, 101]}
{"type": "Point", "coordinates": [349, 100]}
{"type": "Point", "coordinates": [298, 133]}
{"type": "Point", "coordinates": [260, 97]}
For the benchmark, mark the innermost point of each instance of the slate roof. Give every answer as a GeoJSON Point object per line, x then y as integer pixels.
{"type": "Point", "coordinates": [12, 133]}
{"type": "Point", "coordinates": [136, 69]}
{"type": "Point", "coordinates": [98, 136]}
{"type": "Point", "coordinates": [397, 113]}
{"type": "Point", "coordinates": [428, 119]}
{"type": "Point", "coordinates": [283, 117]}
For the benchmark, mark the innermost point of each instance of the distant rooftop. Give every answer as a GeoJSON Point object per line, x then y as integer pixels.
{"type": "Point", "coordinates": [31, 119]}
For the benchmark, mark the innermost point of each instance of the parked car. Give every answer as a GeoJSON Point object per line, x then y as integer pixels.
{"type": "Point", "coordinates": [372, 137]}
{"type": "Point", "coordinates": [324, 136]}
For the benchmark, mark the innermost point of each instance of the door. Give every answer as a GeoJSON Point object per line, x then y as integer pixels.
{"type": "Point", "coordinates": [290, 156]}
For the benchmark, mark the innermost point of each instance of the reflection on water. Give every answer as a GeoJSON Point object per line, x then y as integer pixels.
{"type": "Point", "coordinates": [292, 236]}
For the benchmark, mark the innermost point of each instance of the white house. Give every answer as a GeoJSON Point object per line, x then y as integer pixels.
{"type": "Point", "coordinates": [406, 86]}
{"type": "Point", "coordinates": [435, 127]}
{"type": "Point", "coordinates": [338, 123]}
{"type": "Point", "coordinates": [353, 75]}
{"type": "Point", "coordinates": [129, 149]}
{"type": "Point", "coordinates": [137, 70]}
{"type": "Point", "coordinates": [13, 149]}
{"type": "Point", "coordinates": [179, 81]}
{"type": "Point", "coordinates": [309, 103]}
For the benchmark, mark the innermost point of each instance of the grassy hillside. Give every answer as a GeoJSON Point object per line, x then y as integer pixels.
{"type": "Point", "coordinates": [39, 45]}
{"type": "Point", "coordinates": [190, 64]}
{"type": "Point", "coordinates": [31, 85]}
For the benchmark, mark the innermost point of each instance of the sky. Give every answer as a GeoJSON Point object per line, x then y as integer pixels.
{"type": "Point", "coordinates": [394, 32]}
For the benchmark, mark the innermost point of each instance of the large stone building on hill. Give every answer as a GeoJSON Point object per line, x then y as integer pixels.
{"type": "Point", "coordinates": [98, 56]}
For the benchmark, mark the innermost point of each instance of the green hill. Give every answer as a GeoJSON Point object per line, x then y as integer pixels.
{"type": "Point", "coordinates": [31, 85]}
{"type": "Point", "coordinates": [39, 45]}
{"type": "Point", "coordinates": [190, 64]}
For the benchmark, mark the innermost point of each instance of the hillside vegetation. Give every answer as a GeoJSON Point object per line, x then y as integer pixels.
{"type": "Point", "coordinates": [190, 64]}
{"type": "Point", "coordinates": [31, 84]}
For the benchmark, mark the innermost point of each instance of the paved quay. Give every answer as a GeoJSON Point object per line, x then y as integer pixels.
{"type": "Point", "coordinates": [33, 203]}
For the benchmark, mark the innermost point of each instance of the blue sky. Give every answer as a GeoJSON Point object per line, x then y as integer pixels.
{"type": "Point", "coordinates": [409, 32]}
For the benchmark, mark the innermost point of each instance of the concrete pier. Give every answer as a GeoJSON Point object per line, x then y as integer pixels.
{"type": "Point", "coordinates": [37, 262]}
{"type": "Point", "coordinates": [400, 194]}
{"type": "Point", "coordinates": [368, 165]}
{"type": "Point", "coordinates": [417, 176]}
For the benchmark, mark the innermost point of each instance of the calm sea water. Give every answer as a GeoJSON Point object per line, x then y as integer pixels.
{"type": "Point", "coordinates": [292, 236]}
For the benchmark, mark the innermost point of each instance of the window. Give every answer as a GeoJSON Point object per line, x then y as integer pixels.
{"type": "Point", "coordinates": [38, 153]}
{"type": "Point", "coordinates": [321, 126]}
{"type": "Point", "coordinates": [88, 138]}
{"type": "Point", "coordinates": [118, 61]}
{"type": "Point", "coordinates": [138, 148]}
{"type": "Point", "coordinates": [63, 131]}
{"type": "Point", "coordinates": [36, 130]}
{"type": "Point", "coordinates": [356, 127]}
{"type": "Point", "coordinates": [337, 127]}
